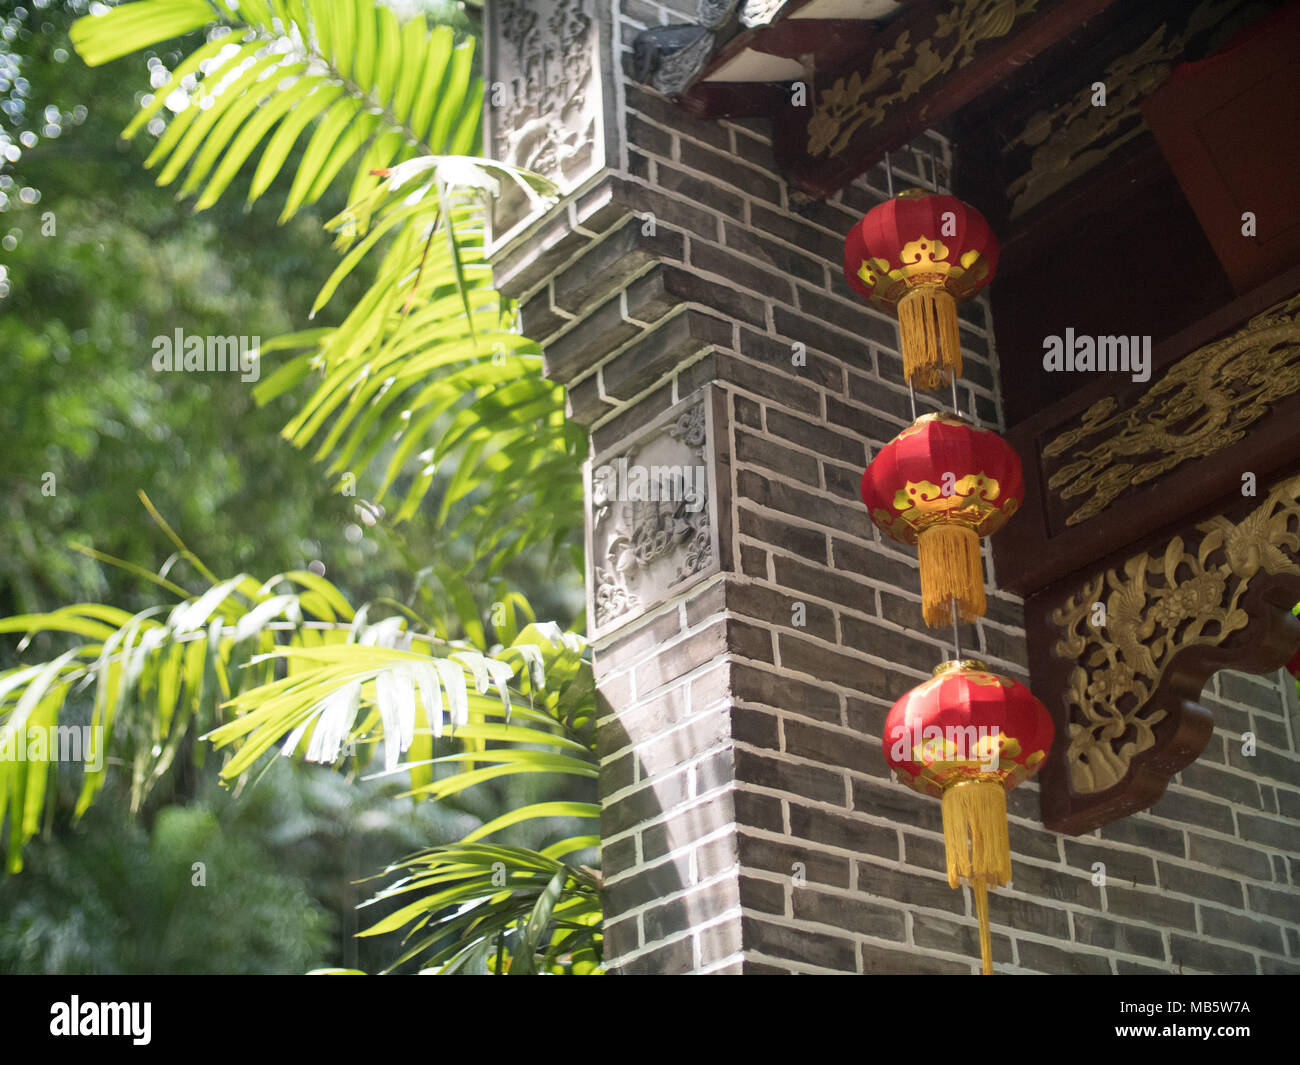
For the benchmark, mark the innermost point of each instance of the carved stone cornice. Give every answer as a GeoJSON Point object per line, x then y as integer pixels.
{"type": "Point", "coordinates": [1202, 405]}
{"type": "Point", "coordinates": [1121, 657]}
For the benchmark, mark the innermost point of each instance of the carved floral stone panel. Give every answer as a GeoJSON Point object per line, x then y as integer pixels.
{"type": "Point", "coordinates": [652, 516]}
{"type": "Point", "coordinates": [543, 107]}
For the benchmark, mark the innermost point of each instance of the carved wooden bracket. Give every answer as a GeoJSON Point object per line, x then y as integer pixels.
{"type": "Point", "coordinates": [1128, 649]}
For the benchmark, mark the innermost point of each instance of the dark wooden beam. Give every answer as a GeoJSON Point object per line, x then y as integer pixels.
{"type": "Point", "coordinates": [1038, 548]}
{"type": "Point", "coordinates": [1035, 26]}
{"type": "Point", "coordinates": [824, 43]}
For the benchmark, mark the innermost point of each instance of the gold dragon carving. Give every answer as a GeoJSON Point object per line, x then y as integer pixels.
{"type": "Point", "coordinates": [1203, 404]}
{"type": "Point", "coordinates": [1072, 139]}
{"type": "Point", "coordinates": [1154, 607]}
{"type": "Point", "coordinates": [854, 101]}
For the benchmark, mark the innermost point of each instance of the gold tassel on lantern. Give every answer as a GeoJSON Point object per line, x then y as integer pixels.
{"type": "Point", "coordinates": [978, 846]}
{"type": "Point", "coordinates": [951, 568]}
{"type": "Point", "coordinates": [931, 342]}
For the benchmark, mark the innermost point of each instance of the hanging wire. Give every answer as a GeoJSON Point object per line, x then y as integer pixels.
{"type": "Point", "coordinates": [911, 394]}
{"type": "Point", "coordinates": [956, 634]}
{"type": "Point", "coordinates": [889, 176]}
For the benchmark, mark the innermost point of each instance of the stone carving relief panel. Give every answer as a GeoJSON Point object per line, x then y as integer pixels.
{"type": "Point", "coordinates": [652, 516]}
{"type": "Point", "coordinates": [542, 104]}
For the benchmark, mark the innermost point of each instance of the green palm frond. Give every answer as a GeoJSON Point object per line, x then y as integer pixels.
{"type": "Point", "coordinates": [427, 374]}
{"type": "Point", "coordinates": [288, 663]}
{"type": "Point", "coordinates": [489, 909]}
{"type": "Point", "coordinates": [427, 370]}
{"type": "Point", "coordinates": [377, 90]}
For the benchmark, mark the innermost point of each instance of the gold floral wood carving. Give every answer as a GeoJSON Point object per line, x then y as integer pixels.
{"type": "Point", "coordinates": [856, 100]}
{"type": "Point", "coordinates": [1203, 404]}
{"type": "Point", "coordinates": [1074, 137]}
{"type": "Point", "coordinates": [1156, 606]}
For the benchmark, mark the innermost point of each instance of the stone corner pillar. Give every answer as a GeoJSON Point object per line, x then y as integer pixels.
{"type": "Point", "coordinates": [750, 632]}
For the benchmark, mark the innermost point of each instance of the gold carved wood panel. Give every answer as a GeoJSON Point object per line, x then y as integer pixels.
{"type": "Point", "coordinates": [1203, 404]}
{"type": "Point", "coordinates": [1122, 655]}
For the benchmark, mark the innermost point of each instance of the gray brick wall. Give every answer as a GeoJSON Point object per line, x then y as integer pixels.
{"type": "Point", "coordinates": [750, 823]}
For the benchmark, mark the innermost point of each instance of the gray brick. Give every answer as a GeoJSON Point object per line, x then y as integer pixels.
{"type": "Point", "coordinates": [1271, 832]}
{"type": "Point", "coordinates": [645, 886]}
{"type": "Point", "coordinates": [659, 350]}
{"type": "Point", "coordinates": [881, 961]}
{"type": "Point", "coordinates": [806, 781]}
{"type": "Point", "coordinates": [853, 914]}
{"type": "Point", "coordinates": [834, 748]}
{"type": "Point", "coordinates": [1058, 961]}
{"type": "Point", "coordinates": [666, 960]}
{"type": "Point", "coordinates": [1233, 857]}
{"type": "Point", "coordinates": [824, 441]}
{"type": "Point", "coordinates": [761, 451]}
{"type": "Point", "coordinates": [747, 275]}
{"type": "Point", "coordinates": [788, 857]}
{"type": "Point", "coordinates": [777, 608]}
{"type": "Point", "coordinates": [688, 911]}
{"type": "Point", "coordinates": [685, 827]}
{"type": "Point", "coordinates": [1094, 931]}
{"type": "Point", "coordinates": [779, 256]}
{"type": "Point", "coordinates": [684, 656]}
{"type": "Point", "coordinates": [904, 648]}
{"type": "Point", "coordinates": [779, 355]}
{"type": "Point", "coordinates": [1145, 833]}
{"type": "Point", "coordinates": [910, 889]}
{"type": "Point", "coordinates": [1184, 881]}
{"type": "Point", "coordinates": [766, 896]}
{"type": "Point", "coordinates": [938, 933]}
{"type": "Point", "coordinates": [1254, 692]}
{"type": "Point", "coordinates": [776, 388]}
{"type": "Point", "coordinates": [1283, 905]}
{"type": "Point", "coordinates": [748, 180]}
{"type": "Point", "coordinates": [1241, 930]}
{"type": "Point", "coordinates": [1209, 957]}
{"type": "Point", "coordinates": [718, 941]}
{"type": "Point", "coordinates": [1150, 906]}
{"type": "Point", "coordinates": [851, 671]}
{"type": "Point", "coordinates": [726, 300]}
{"type": "Point", "coordinates": [1126, 866]}
{"type": "Point", "coordinates": [846, 832]}
{"type": "Point", "coordinates": [798, 944]}
{"type": "Point", "coordinates": [753, 562]}
{"type": "Point", "coordinates": [875, 563]}
{"type": "Point", "coordinates": [771, 689]}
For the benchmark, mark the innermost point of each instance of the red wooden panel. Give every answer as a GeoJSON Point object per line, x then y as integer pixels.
{"type": "Point", "coordinates": [1228, 128]}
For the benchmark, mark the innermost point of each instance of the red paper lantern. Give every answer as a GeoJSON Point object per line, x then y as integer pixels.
{"type": "Point", "coordinates": [920, 254]}
{"type": "Point", "coordinates": [968, 736]}
{"type": "Point", "coordinates": [942, 484]}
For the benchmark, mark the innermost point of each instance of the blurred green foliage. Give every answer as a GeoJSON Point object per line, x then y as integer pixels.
{"type": "Point", "coordinates": [95, 261]}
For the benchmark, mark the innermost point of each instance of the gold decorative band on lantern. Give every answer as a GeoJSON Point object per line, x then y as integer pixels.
{"type": "Point", "coordinates": [960, 665]}
{"type": "Point", "coordinates": [931, 340]}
